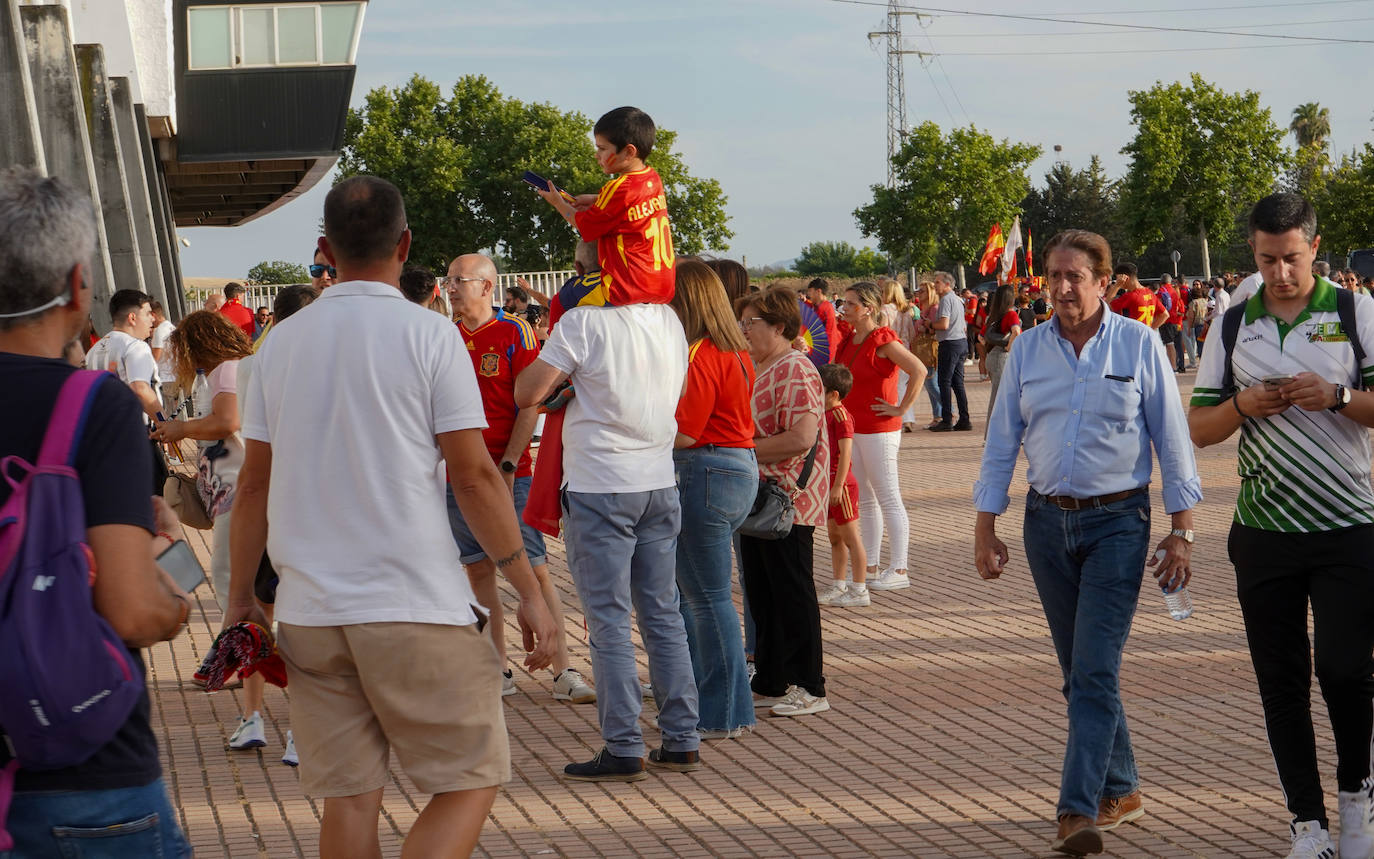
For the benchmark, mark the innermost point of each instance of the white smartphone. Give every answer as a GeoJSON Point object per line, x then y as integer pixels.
{"type": "Point", "coordinates": [1276, 381]}
{"type": "Point", "coordinates": [182, 565]}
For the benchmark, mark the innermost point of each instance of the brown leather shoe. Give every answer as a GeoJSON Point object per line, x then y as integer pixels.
{"type": "Point", "coordinates": [1115, 811]}
{"type": "Point", "coordinates": [1078, 836]}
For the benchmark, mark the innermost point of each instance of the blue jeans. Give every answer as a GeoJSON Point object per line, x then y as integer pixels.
{"type": "Point", "coordinates": [1088, 565]}
{"type": "Point", "coordinates": [470, 552]}
{"type": "Point", "coordinates": [622, 549]}
{"type": "Point", "coordinates": [716, 486]}
{"type": "Point", "coordinates": [932, 387]}
{"type": "Point", "coordinates": [124, 823]}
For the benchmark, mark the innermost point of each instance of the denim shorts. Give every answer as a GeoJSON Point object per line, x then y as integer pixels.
{"type": "Point", "coordinates": [470, 551]}
{"type": "Point", "coordinates": [74, 824]}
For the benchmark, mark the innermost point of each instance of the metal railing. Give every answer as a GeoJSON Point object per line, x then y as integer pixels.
{"type": "Point", "coordinates": [262, 295]}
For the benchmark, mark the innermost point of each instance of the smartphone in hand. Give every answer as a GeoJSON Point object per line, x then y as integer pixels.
{"type": "Point", "coordinates": [535, 180]}
{"type": "Point", "coordinates": [1273, 383]}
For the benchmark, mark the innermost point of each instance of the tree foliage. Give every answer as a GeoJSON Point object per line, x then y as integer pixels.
{"type": "Point", "coordinates": [1074, 199]}
{"type": "Point", "coordinates": [458, 160]}
{"type": "Point", "coordinates": [1345, 205]}
{"type": "Point", "coordinates": [1207, 153]}
{"type": "Point", "coordinates": [278, 271]}
{"type": "Point", "coordinates": [839, 258]}
{"type": "Point", "coordinates": [1311, 125]}
{"type": "Point", "coordinates": [949, 191]}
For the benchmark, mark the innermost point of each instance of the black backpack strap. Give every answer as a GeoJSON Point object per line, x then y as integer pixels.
{"type": "Point", "coordinates": [1230, 329]}
{"type": "Point", "coordinates": [1345, 309]}
{"type": "Point", "coordinates": [805, 476]}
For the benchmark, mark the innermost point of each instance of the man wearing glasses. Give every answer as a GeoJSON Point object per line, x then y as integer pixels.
{"type": "Point", "coordinates": [322, 274]}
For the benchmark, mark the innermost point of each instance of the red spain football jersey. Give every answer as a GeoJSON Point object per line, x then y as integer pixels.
{"type": "Point", "coordinates": [500, 349]}
{"type": "Point", "coordinates": [1139, 304]}
{"type": "Point", "coordinates": [629, 223]}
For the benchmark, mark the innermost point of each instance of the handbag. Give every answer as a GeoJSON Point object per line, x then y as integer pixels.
{"type": "Point", "coordinates": [773, 513]}
{"type": "Point", "coordinates": [183, 496]}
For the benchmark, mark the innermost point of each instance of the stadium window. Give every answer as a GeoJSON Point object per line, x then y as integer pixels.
{"type": "Point", "coordinates": [273, 35]}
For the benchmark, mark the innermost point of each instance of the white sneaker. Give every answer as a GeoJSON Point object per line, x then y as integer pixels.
{"type": "Point", "coordinates": [799, 702]}
{"type": "Point", "coordinates": [646, 691]}
{"type": "Point", "coordinates": [508, 683]}
{"type": "Point", "coordinates": [289, 757]}
{"type": "Point", "coordinates": [1310, 841]}
{"type": "Point", "coordinates": [732, 734]}
{"type": "Point", "coordinates": [569, 685]}
{"type": "Point", "coordinates": [834, 592]}
{"type": "Point", "coordinates": [855, 597]}
{"type": "Point", "coordinates": [750, 670]}
{"type": "Point", "coordinates": [768, 701]}
{"type": "Point", "coordinates": [1357, 821]}
{"type": "Point", "coordinates": [889, 580]}
{"type": "Point", "coordinates": [249, 734]}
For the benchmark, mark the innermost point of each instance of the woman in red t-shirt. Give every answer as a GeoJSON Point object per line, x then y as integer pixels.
{"type": "Point", "coordinates": [1003, 326]}
{"type": "Point", "coordinates": [874, 356]}
{"type": "Point", "coordinates": [717, 479]}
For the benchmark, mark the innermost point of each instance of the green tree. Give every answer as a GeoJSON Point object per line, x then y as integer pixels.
{"type": "Point", "coordinates": [826, 258]}
{"type": "Point", "coordinates": [949, 191]}
{"type": "Point", "coordinates": [1202, 152]}
{"type": "Point", "coordinates": [278, 271]}
{"type": "Point", "coordinates": [1074, 199]}
{"type": "Point", "coordinates": [1345, 205]}
{"type": "Point", "coordinates": [1311, 125]}
{"type": "Point", "coordinates": [868, 262]}
{"type": "Point", "coordinates": [459, 158]}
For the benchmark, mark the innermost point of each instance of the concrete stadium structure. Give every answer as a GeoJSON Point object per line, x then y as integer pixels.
{"type": "Point", "coordinates": [174, 113]}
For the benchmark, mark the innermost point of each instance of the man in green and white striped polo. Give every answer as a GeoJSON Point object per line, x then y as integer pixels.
{"type": "Point", "coordinates": [1304, 522]}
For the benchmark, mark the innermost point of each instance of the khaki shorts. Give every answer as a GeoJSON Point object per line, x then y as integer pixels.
{"type": "Point", "coordinates": [431, 692]}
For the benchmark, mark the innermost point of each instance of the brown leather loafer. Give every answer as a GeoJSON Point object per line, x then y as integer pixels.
{"type": "Point", "coordinates": [1115, 811]}
{"type": "Point", "coordinates": [1078, 836]}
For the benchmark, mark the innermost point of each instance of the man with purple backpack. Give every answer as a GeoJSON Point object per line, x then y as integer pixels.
{"type": "Point", "coordinates": [80, 590]}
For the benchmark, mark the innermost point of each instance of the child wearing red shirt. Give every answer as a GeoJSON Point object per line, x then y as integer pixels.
{"type": "Point", "coordinates": [628, 219]}
{"type": "Point", "coordinates": [842, 523]}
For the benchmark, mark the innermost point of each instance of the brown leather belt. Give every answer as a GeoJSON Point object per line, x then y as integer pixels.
{"type": "Point", "coordinates": [1068, 502]}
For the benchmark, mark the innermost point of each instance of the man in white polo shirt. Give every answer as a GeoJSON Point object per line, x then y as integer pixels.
{"type": "Point", "coordinates": [352, 410]}
{"type": "Point", "coordinates": [1304, 524]}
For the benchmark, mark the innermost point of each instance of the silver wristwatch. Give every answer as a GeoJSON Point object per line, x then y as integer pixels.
{"type": "Point", "coordinates": [1185, 533]}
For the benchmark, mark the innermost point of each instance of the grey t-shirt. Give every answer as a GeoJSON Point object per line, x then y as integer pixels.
{"type": "Point", "coordinates": [952, 308]}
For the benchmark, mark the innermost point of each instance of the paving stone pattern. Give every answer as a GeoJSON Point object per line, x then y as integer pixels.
{"type": "Point", "coordinates": [944, 738]}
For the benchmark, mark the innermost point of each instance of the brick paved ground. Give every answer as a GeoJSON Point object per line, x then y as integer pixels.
{"type": "Point", "coordinates": [944, 737]}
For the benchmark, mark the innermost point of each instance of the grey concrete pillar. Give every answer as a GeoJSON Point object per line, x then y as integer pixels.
{"type": "Point", "coordinates": [140, 205]}
{"type": "Point", "coordinates": [162, 229]}
{"type": "Point", "coordinates": [20, 143]}
{"type": "Point", "coordinates": [108, 161]}
{"type": "Point", "coordinates": [62, 129]}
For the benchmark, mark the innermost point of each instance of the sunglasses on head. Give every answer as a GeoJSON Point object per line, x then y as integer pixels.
{"type": "Point", "coordinates": [317, 270]}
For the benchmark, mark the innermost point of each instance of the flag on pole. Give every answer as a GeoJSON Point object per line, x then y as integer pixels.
{"type": "Point", "coordinates": [1008, 268]}
{"type": "Point", "coordinates": [1030, 266]}
{"type": "Point", "coordinates": [992, 250]}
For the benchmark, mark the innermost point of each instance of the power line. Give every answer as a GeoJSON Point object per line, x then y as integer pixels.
{"type": "Point", "coordinates": [1246, 6]}
{"type": "Point", "coordinates": [952, 120]}
{"type": "Point", "coordinates": [1119, 51]}
{"type": "Point", "coordinates": [1148, 27]}
{"type": "Point", "coordinates": [1024, 35]}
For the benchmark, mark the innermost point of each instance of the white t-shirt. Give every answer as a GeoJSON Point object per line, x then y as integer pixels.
{"type": "Point", "coordinates": [350, 392]}
{"type": "Point", "coordinates": [164, 364]}
{"type": "Point", "coordinates": [129, 359]}
{"type": "Point", "coordinates": [1246, 288]}
{"type": "Point", "coordinates": [628, 365]}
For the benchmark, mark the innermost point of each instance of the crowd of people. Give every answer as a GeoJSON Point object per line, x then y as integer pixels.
{"type": "Point", "coordinates": [669, 422]}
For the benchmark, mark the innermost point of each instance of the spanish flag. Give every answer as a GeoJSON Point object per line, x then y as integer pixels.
{"type": "Point", "coordinates": [992, 251]}
{"type": "Point", "coordinates": [1030, 266]}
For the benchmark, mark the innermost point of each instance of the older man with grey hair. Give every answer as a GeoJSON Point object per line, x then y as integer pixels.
{"type": "Point", "coordinates": [47, 243]}
{"type": "Point", "coordinates": [952, 342]}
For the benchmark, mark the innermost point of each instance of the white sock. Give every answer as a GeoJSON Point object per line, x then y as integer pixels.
{"type": "Point", "coordinates": [858, 587]}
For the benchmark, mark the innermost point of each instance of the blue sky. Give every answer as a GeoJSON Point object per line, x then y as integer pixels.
{"type": "Point", "coordinates": [784, 101]}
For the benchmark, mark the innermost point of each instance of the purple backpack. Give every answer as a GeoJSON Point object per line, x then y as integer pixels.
{"type": "Point", "coordinates": [69, 682]}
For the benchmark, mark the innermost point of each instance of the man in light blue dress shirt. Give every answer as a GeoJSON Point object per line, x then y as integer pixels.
{"type": "Point", "coordinates": [1087, 394]}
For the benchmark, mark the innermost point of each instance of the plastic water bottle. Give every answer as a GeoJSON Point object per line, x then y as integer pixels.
{"type": "Point", "coordinates": [1177, 601]}
{"type": "Point", "coordinates": [200, 395]}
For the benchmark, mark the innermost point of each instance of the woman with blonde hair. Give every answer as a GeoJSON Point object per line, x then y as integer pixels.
{"type": "Point", "coordinates": [928, 304]}
{"type": "Point", "coordinates": [874, 356]}
{"type": "Point", "coordinates": [717, 479]}
{"type": "Point", "coordinates": [897, 315]}
{"type": "Point", "coordinates": [207, 343]}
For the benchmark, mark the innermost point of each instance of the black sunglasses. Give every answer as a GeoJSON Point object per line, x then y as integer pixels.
{"type": "Point", "coordinates": [317, 269]}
